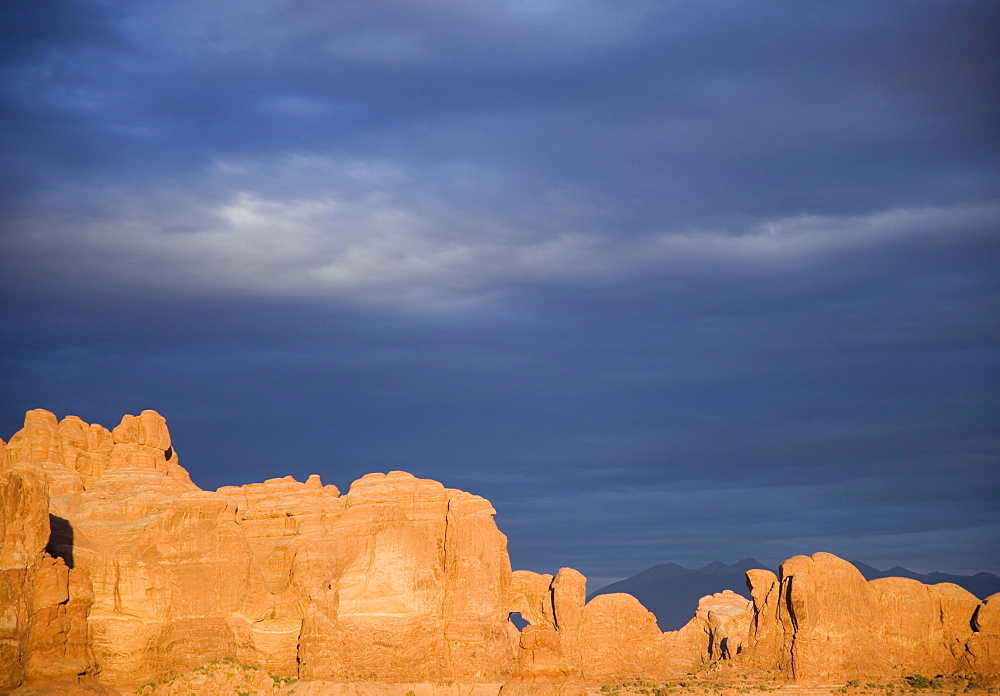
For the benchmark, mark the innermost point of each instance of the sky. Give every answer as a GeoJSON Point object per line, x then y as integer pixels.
{"type": "Point", "coordinates": [665, 281]}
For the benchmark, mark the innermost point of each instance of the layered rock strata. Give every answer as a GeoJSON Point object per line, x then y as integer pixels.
{"type": "Point", "coordinates": [115, 567]}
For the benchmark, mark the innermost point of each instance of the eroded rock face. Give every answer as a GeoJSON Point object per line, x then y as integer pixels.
{"type": "Point", "coordinates": [401, 578]}
{"type": "Point", "coordinates": [23, 536]}
{"type": "Point", "coordinates": [65, 687]}
{"type": "Point", "coordinates": [569, 598]}
{"type": "Point", "coordinates": [830, 606]}
{"type": "Point", "coordinates": [619, 638]}
{"type": "Point", "coordinates": [822, 621]}
{"type": "Point", "coordinates": [531, 596]}
{"type": "Point", "coordinates": [983, 647]}
{"type": "Point", "coordinates": [416, 584]}
{"type": "Point", "coordinates": [923, 626]}
{"type": "Point", "coordinates": [280, 520]}
{"type": "Point", "coordinates": [115, 566]}
{"type": "Point", "coordinates": [613, 637]}
{"type": "Point", "coordinates": [718, 631]}
{"type": "Point", "coordinates": [769, 642]}
{"type": "Point", "coordinates": [44, 634]}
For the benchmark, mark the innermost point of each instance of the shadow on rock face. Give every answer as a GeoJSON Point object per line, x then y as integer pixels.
{"type": "Point", "coordinates": [60, 539]}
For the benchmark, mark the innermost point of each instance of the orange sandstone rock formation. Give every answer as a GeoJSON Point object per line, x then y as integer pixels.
{"type": "Point", "coordinates": [620, 639]}
{"type": "Point", "coordinates": [982, 650]}
{"type": "Point", "coordinates": [822, 621]}
{"type": "Point", "coordinates": [43, 603]}
{"type": "Point", "coordinates": [413, 581]}
{"type": "Point", "coordinates": [115, 567]}
{"type": "Point", "coordinates": [717, 631]}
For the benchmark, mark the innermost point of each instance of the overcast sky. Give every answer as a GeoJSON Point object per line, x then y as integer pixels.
{"type": "Point", "coordinates": [664, 280]}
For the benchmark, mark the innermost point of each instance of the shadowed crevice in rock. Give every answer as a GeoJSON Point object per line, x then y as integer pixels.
{"type": "Point", "coordinates": [789, 605]}
{"type": "Point", "coordinates": [60, 539]}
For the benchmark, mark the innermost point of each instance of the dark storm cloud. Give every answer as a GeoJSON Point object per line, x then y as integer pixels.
{"type": "Point", "coordinates": [661, 106]}
{"type": "Point", "coordinates": [663, 281]}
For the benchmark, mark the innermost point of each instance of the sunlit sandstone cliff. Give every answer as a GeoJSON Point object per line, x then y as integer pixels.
{"type": "Point", "coordinates": [116, 570]}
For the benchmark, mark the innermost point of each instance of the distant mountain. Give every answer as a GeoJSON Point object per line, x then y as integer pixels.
{"type": "Point", "coordinates": [672, 591]}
